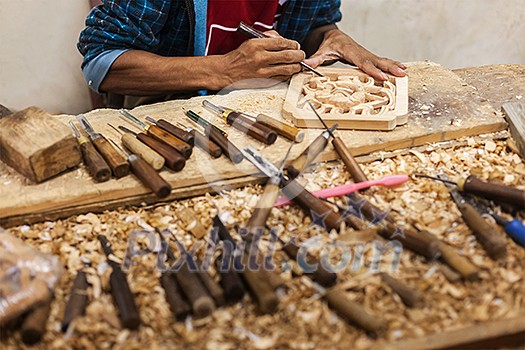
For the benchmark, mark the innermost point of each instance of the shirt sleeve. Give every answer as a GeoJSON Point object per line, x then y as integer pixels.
{"type": "Point", "coordinates": [96, 69]}
{"type": "Point", "coordinates": [122, 25]}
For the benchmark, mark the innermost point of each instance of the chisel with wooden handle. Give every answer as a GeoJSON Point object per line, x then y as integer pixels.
{"type": "Point", "coordinates": [204, 142]}
{"type": "Point", "coordinates": [145, 152]}
{"type": "Point", "coordinates": [160, 134]}
{"type": "Point", "coordinates": [306, 158]}
{"type": "Point", "coordinates": [35, 323]}
{"type": "Point", "coordinates": [118, 164]}
{"type": "Point", "coordinates": [173, 159]}
{"type": "Point", "coordinates": [147, 175]}
{"type": "Point", "coordinates": [410, 296]}
{"type": "Point", "coordinates": [96, 165]}
{"type": "Point", "coordinates": [174, 130]}
{"type": "Point", "coordinates": [78, 299]}
{"type": "Point", "coordinates": [179, 307]}
{"type": "Point", "coordinates": [122, 296]}
{"type": "Point", "coordinates": [351, 164]}
{"type": "Point", "coordinates": [256, 130]}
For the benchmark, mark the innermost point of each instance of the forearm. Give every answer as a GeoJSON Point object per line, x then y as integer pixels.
{"type": "Point", "coordinates": [315, 38]}
{"type": "Point", "coordinates": [143, 73]}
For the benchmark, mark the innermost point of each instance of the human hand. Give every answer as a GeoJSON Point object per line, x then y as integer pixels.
{"type": "Point", "coordinates": [337, 45]}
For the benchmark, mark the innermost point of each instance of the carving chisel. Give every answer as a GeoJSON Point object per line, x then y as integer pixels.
{"type": "Point", "coordinates": [204, 142]}
{"type": "Point", "coordinates": [120, 291]}
{"type": "Point", "coordinates": [173, 159]}
{"type": "Point", "coordinates": [146, 174]}
{"type": "Point", "coordinates": [174, 130]}
{"type": "Point", "coordinates": [306, 158]}
{"type": "Point", "coordinates": [160, 134]}
{"type": "Point", "coordinates": [97, 166]}
{"type": "Point", "coordinates": [118, 164]}
{"type": "Point", "coordinates": [78, 299]}
{"type": "Point", "coordinates": [250, 32]}
{"type": "Point", "coordinates": [218, 136]}
{"type": "Point", "coordinates": [256, 130]}
{"type": "Point", "coordinates": [351, 164]}
{"type": "Point", "coordinates": [290, 132]}
{"type": "Point", "coordinates": [134, 145]}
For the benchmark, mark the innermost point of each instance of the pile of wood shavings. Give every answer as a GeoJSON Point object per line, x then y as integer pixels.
{"type": "Point", "coordinates": [303, 320]}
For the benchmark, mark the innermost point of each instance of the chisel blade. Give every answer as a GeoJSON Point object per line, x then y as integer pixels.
{"type": "Point", "coordinates": [82, 120]}
{"type": "Point", "coordinates": [132, 118]}
{"type": "Point", "coordinates": [260, 162]}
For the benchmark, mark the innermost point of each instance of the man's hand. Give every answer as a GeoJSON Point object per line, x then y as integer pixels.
{"type": "Point", "coordinates": [336, 45]}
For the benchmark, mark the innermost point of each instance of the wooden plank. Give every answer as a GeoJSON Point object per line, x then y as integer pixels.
{"type": "Point", "coordinates": [515, 115]}
{"type": "Point", "coordinates": [441, 108]}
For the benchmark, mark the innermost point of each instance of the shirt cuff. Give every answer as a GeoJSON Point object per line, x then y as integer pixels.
{"type": "Point", "coordinates": [96, 70]}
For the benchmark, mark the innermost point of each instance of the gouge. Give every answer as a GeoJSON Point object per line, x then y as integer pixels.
{"type": "Point", "coordinates": [256, 130]}
{"type": "Point", "coordinates": [134, 145]}
{"type": "Point", "coordinates": [174, 130]}
{"type": "Point", "coordinates": [97, 166]}
{"type": "Point", "coordinates": [146, 174]}
{"type": "Point", "coordinates": [351, 164]}
{"type": "Point", "coordinates": [173, 159]}
{"type": "Point", "coordinates": [203, 122]}
{"type": "Point", "coordinates": [203, 142]}
{"type": "Point", "coordinates": [118, 164]}
{"type": "Point", "coordinates": [160, 134]}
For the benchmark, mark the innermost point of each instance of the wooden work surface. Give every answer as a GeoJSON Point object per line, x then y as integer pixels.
{"type": "Point", "coordinates": [441, 107]}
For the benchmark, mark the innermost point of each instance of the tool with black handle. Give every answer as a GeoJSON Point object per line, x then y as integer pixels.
{"type": "Point", "coordinates": [498, 193]}
{"type": "Point", "coordinates": [203, 142]}
{"type": "Point", "coordinates": [160, 134]}
{"type": "Point", "coordinates": [351, 164]}
{"type": "Point", "coordinates": [147, 175]}
{"type": "Point", "coordinates": [137, 147]}
{"type": "Point", "coordinates": [237, 120]}
{"type": "Point", "coordinates": [306, 158]}
{"type": "Point", "coordinates": [251, 32]}
{"type": "Point", "coordinates": [173, 159]}
{"type": "Point", "coordinates": [218, 136]}
{"type": "Point", "coordinates": [174, 130]}
{"type": "Point", "coordinates": [122, 296]}
{"type": "Point", "coordinates": [118, 164]}
{"type": "Point", "coordinates": [78, 299]}
{"type": "Point", "coordinates": [96, 165]}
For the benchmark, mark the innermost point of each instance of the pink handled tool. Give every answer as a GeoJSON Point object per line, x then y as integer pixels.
{"type": "Point", "coordinates": [392, 180]}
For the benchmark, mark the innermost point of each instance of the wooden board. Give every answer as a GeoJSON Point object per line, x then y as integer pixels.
{"type": "Point", "coordinates": [442, 107]}
{"type": "Point", "coordinates": [515, 115]}
{"type": "Point", "coordinates": [303, 117]}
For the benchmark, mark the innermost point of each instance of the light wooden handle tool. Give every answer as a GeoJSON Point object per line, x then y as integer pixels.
{"type": "Point", "coordinates": [201, 303]}
{"type": "Point", "coordinates": [306, 158]}
{"type": "Point", "coordinates": [148, 154]}
{"type": "Point", "coordinates": [149, 177]}
{"type": "Point", "coordinates": [283, 129]}
{"type": "Point", "coordinates": [460, 264]}
{"type": "Point", "coordinates": [409, 296]}
{"type": "Point", "coordinates": [164, 136]}
{"type": "Point", "coordinates": [116, 161]}
{"type": "Point", "coordinates": [351, 164]}
{"type": "Point", "coordinates": [97, 166]}
{"type": "Point", "coordinates": [264, 207]}
{"type": "Point", "coordinates": [173, 159]}
{"type": "Point", "coordinates": [178, 304]}
{"type": "Point", "coordinates": [262, 291]}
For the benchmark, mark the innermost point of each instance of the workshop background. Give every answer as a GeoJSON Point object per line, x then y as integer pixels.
{"type": "Point", "coordinates": [40, 65]}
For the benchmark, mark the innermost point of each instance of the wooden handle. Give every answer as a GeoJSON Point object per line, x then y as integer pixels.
{"type": "Point", "coordinates": [353, 312]}
{"type": "Point", "coordinates": [148, 154]}
{"type": "Point", "coordinates": [306, 158]}
{"type": "Point", "coordinates": [149, 177]}
{"type": "Point", "coordinates": [34, 325]}
{"type": "Point", "coordinates": [97, 166]}
{"type": "Point", "coordinates": [325, 215]}
{"type": "Point", "coordinates": [206, 144]}
{"type": "Point", "coordinates": [283, 129]}
{"type": "Point", "coordinates": [351, 165]}
{"type": "Point", "coordinates": [191, 286]}
{"type": "Point", "coordinates": [409, 296]}
{"type": "Point", "coordinates": [498, 193]}
{"type": "Point", "coordinates": [76, 305]}
{"type": "Point", "coordinates": [164, 136]}
{"type": "Point", "coordinates": [174, 160]}
{"type": "Point", "coordinates": [257, 131]}
{"type": "Point", "coordinates": [178, 305]}
{"type": "Point", "coordinates": [190, 222]}
{"type": "Point", "coordinates": [487, 235]}
{"type": "Point", "coordinates": [177, 132]}
{"type": "Point", "coordinates": [228, 148]}
{"type": "Point", "coordinates": [123, 298]}
{"type": "Point", "coordinates": [116, 161]}
{"type": "Point", "coordinates": [232, 285]}
{"type": "Point", "coordinates": [264, 207]}
{"type": "Point", "coordinates": [262, 291]}
{"type": "Point", "coordinates": [460, 264]}
{"type": "Point", "coordinates": [213, 288]}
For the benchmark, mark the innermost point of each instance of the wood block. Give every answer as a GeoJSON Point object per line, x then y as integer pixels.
{"type": "Point", "coordinates": [515, 115]}
{"type": "Point", "coordinates": [37, 145]}
{"type": "Point", "coordinates": [303, 117]}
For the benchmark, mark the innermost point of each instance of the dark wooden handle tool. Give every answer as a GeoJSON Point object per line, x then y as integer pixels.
{"type": "Point", "coordinates": [409, 296]}
{"type": "Point", "coordinates": [180, 308]}
{"type": "Point", "coordinates": [213, 288]}
{"type": "Point", "coordinates": [256, 130]}
{"type": "Point", "coordinates": [78, 299]}
{"type": "Point", "coordinates": [34, 325]}
{"type": "Point", "coordinates": [206, 144]}
{"type": "Point", "coordinates": [97, 166]}
{"type": "Point", "coordinates": [290, 132]}
{"type": "Point", "coordinates": [299, 164]}
{"type": "Point", "coordinates": [228, 148]}
{"type": "Point", "coordinates": [145, 152]}
{"type": "Point", "coordinates": [164, 136]}
{"type": "Point", "coordinates": [116, 161]}
{"type": "Point", "coordinates": [460, 264]}
{"type": "Point", "coordinates": [176, 131]}
{"type": "Point", "coordinates": [174, 160]}
{"type": "Point", "coordinates": [201, 303]}
{"type": "Point", "coordinates": [497, 193]}
{"type": "Point", "coordinates": [351, 164]}
{"type": "Point", "coordinates": [149, 177]}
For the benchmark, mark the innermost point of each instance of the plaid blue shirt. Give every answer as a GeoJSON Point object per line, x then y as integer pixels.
{"type": "Point", "coordinates": [165, 27]}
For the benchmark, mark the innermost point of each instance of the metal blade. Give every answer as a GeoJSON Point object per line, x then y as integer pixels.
{"type": "Point", "coordinates": [151, 120]}
{"type": "Point", "coordinates": [74, 128]}
{"type": "Point", "coordinates": [260, 162]}
{"type": "Point", "coordinates": [82, 120]}
{"type": "Point", "coordinates": [128, 115]}
{"type": "Point", "coordinates": [210, 106]}
{"type": "Point", "coordinates": [321, 119]}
